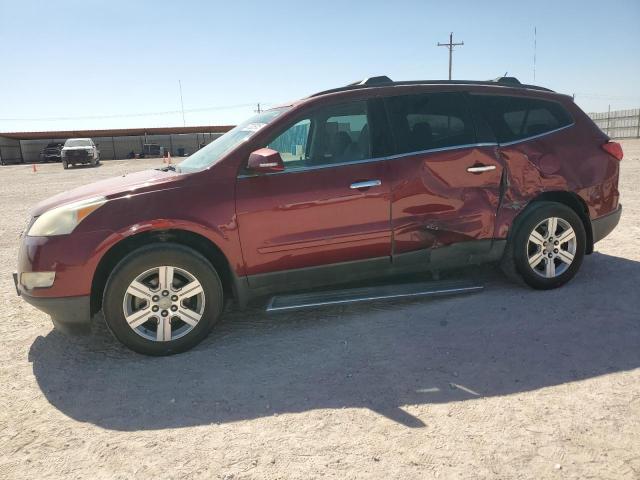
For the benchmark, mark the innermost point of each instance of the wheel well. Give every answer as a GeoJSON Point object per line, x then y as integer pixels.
{"type": "Point", "coordinates": [201, 244]}
{"type": "Point", "coordinates": [577, 204]}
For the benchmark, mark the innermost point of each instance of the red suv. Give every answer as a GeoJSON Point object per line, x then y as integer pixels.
{"type": "Point", "coordinates": [373, 179]}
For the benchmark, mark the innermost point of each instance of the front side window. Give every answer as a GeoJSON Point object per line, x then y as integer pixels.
{"type": "Point", "coordinates": [517, 118]}
{"type": "Point", "coordinates": [428, 121]}
{"type": "Point", "coordinates": [330, 135]}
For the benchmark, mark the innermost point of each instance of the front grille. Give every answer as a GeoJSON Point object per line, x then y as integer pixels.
{"type": "Point", "coordinates": [76, 154]}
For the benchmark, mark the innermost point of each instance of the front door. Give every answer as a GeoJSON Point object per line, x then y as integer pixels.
{"type": "Point", "coordinates": [329, 205]}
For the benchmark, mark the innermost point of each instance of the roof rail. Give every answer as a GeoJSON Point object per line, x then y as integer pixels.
{"type": "Point", "coordinates": [383, 80]}
{"type": "Point", "coordinates": [507, 81]}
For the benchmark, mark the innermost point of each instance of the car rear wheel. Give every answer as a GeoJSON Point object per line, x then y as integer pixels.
{"type": "Point", "coordinates": [162, 299]}
{"type": "Point", "coordinates": [548, 246]}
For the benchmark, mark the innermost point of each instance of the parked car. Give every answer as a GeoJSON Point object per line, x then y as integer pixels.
{"type": "Point", "coordinates": [152, 150]}
{"type": "Point", "coordinates": [80, 151]}
{"type": "Point", "coordinates": [52, 152]}
{"type": "Point", "coordinates": [374, 179]}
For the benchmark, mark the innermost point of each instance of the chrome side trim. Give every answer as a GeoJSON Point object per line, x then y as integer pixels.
{"type": "Point", "coordinates": [483, 168]}
{"type": "Point", "coordinates": [506, 144]}
{"type": "Point", "coordinates": [372, 160]}
{"type": "Point", "coordinates": [365, 184]}
{"type": "Point", "coordinates": [443, 291]}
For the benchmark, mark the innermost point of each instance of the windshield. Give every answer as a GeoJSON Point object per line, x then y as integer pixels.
{"type": "Point", "coordinates": [78, 142]}
{"type": "Point", "coordinates": [212, 153]}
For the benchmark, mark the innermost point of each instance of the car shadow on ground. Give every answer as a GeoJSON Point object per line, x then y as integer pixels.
{"type": "Point", "coordinates": [382, 356]}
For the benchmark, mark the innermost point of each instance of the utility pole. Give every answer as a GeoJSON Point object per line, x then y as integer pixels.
{"type": "Point", "coordinates": [450, 46]}
{"type": "Point", "coordinates": [535, 51]}
{"type": "Point", "coordinates": [258, 110]}
{"type": "Point", "coordinates": [184, 124]}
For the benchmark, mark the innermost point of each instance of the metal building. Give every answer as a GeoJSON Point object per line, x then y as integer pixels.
{"type": "Point", "coordinates": [25, 147]}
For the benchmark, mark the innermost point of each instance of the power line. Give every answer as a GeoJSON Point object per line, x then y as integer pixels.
{"type": "Point", "coordinates": [127, 115]}
{"type": "Point", "coordinates": [450, 46]}
{"type": "Point", "coordinates": [606, 97]}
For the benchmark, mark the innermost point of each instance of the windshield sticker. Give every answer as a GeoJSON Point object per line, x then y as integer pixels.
{"type": "Point", "coordinates": [253, 127]}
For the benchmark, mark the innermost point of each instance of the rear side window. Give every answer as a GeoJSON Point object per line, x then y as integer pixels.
{"type": "Point", "coordinates": [428, 121]}
{"type": "Point", "coordinates": [517, 118]}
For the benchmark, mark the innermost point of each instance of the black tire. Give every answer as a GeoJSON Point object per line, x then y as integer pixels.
{"type": "Point", "coordinates": [142, 260]}
{"type": "Point", "coordinates": [515, 262]}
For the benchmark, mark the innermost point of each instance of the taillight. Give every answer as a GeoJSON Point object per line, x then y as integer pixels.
{"type": "Point", "coordinates": [614, 149]}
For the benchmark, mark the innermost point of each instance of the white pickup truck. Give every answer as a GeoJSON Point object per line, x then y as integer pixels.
{"type": "Point", "coordinates": [80, 151]}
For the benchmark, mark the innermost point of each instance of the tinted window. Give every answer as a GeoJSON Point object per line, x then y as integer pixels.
{"type": "Point", "coordinates": [515, 118]}
{"type": "Point", "coordinates": [335, 134]}
{"type": "Point", "coordinates": [426, 121]}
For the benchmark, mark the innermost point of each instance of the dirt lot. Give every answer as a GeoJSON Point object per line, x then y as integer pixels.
{"type": "Point", "coordinates": [509, 383]}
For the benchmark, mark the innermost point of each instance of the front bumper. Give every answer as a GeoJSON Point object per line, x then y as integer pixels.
{"type": "Point", "coordinates": [75, 160]}
{"type": "Point", "coordinates": [69, 314]}
{"type": "Point", "coordinates": [603, 226]}
{"type": "Point", "coordinates": [73, 258]}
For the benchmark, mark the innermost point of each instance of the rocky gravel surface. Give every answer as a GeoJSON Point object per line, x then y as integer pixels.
{"type": "Point", "coordinates": [507, 383]}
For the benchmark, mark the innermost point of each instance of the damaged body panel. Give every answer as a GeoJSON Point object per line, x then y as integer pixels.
{"type": "Point", "coordinates": [437, 201]}
{"type": "Point", "coordinates": [559, 162]}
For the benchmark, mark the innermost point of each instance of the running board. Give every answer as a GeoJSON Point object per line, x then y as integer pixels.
{"type": "Point", "coordinates": [382, 292]}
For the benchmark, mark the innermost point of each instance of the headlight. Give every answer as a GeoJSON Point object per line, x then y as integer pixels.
{"type": "Point", "coordinates": [62, 220]}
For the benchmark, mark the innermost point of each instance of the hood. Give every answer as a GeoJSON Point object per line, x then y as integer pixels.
{"type": "Point", "coordinates": [139, 182]}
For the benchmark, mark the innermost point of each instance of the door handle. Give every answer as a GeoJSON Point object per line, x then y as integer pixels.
{"type": "Point", "coordinates": [365, 184]}
{"type": "Point", "coordinates": [481, 168]}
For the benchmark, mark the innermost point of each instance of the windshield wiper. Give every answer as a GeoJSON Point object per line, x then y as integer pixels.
{"type": "Point", "coordinates": [167, 168]}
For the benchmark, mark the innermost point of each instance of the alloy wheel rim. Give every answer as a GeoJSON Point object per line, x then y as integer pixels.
{"type": "Point", "coordinates": [551, 247]}
{"type": "Point", "coordinates": [164, 303]}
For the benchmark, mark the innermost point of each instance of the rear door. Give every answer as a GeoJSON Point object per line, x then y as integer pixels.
{"type": "Point", "coordinates": [445, 184]}
{"type": "Point", "coordinates": [331, 203]}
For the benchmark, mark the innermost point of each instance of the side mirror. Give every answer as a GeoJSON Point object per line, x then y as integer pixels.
{"type": "Point", "coordinates": [265, 160]}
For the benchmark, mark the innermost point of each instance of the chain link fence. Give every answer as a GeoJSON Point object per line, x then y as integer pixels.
{"type": "Point", "coordinates": [619, 123]}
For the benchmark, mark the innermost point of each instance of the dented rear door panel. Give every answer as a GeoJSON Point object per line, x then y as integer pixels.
{"type": "Point", "coordinates": [437, 202]}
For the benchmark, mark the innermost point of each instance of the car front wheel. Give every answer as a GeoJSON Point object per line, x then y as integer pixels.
{"type": "Point", "coordinates": [548, 246]}
{"type": "Point", "coordinates": [162, 299]}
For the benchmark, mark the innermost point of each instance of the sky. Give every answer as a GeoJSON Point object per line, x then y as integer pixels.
{"type": "Point", "coordinates": [87, 64]}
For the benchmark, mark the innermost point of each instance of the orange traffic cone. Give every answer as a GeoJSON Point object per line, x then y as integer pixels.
{"type": "Point", "coordinates": [33, 168]}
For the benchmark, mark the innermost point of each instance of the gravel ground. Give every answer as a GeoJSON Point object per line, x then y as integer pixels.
{"type": "Point", "coordinates": [508, 383]}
